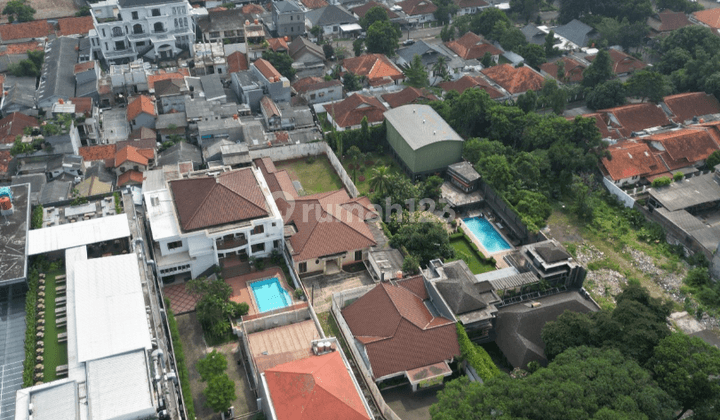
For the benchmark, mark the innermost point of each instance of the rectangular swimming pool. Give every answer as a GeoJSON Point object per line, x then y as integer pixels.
{"type": "Point", "coordinates": [269, 294]}
{"type": "Point", "coordinates": [486, 234]}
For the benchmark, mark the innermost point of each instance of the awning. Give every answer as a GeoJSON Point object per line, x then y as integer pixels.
{"type": "Point", "coordinates": [350, 27]}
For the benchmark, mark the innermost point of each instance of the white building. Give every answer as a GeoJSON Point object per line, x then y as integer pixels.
{"type": "Point", "coordinates": [126, 30]}
{"type": "Point", "coordinates": [209, 215]}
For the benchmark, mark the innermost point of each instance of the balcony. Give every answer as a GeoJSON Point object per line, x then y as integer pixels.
{"type": "Point", "coordinates": [119, 53]}
{"type": "Point", "coordinates": [227, 243]}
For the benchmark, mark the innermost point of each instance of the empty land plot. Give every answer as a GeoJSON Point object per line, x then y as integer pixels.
{"type": "Point", "coordinates": [315, 174]}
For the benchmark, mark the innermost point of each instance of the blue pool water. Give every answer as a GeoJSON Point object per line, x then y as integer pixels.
{"type": "Point", "coordinates": [486, 234]}
{"type": "Point", "coordinates": [269, 294]}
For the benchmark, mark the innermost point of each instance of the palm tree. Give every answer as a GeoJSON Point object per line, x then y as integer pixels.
{"type": "Point", "coordinates": [380, 179]}
{"type": "Point", "coordinates": [440, 69]}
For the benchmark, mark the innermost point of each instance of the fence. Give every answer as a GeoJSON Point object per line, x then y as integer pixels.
{"type": "Point", "coordinates": [276, 320]}
{"type": "Point", "coordinates": [620, 194]}
{"type": "Point", "coordinates": [297, 151]}
{"type": "Point", "coordinates": [338, 300]}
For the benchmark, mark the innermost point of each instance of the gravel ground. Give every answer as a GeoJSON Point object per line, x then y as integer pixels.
{"type": "Point", "coordinates": [670, 282]}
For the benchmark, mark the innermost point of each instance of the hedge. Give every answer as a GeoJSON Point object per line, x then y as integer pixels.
{"type": "Point", "coordinates": [461, 234]}
{"type": "Point", "coordinates": [116, 196]}
{"type": "Point", "coordinates": [183, 372]}
{"type": "Point", "coordinates": [37, 217]}
{"type": "Point", "coordinates": [30, 328]}
{"type": "Point", "coordinates": [476, 356]}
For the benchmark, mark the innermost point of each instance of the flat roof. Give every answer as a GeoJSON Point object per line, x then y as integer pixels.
{"type": "Point", "coordinates": [688, 192]}
{"type": "Point", "coordinates": [161, 213]}
{"type": "Point", "coordinates": [109, 307]}
{"type": "Point", "coordinates": [284, 344]}
{"type": "Point", "coordinates": [55, 402]}
{"type": "Point", "coordinates": [420, 125]}
{"type": "Point", "coordinates": [70, 235]}
{"type": "Point", "coordinates": [14, 237]}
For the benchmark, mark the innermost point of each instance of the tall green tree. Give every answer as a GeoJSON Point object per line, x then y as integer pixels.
{"type": "Point", "coordinates": [18, 10]}
{"type": "Point", "coordinates": [550, 49]}
{"type": "Point", "coordinates": [382, 38]}
{"type": "Point", "coordinates": [380, 180]}
{"type": "Point", "coordinates": [533, 54]}
{"type": "Point", "coordinates": [599, 71]}
{"type": "Point", "coordinates": [526, 9]}
{"type": "Point", "coordinates": [445, 9]}
{"type": "Point", "coordinates": [647, 84]}
{"type": "Point", "coordinates": [351, 82]}
{"type": "Point", "coordinates": [220, 393]}
{"type": "Point", "coordinates": [527, 102]}
{"type": "Point", "coordinates": [440, 69]}
{"type": "Point", "coordinates": [416, 75]}
{"type": "Point", "coordinates": [713, 159]}
{"type": "Point", "coordinates": [484, 23]}
{"type": "Point", "coordinates": [606, 95]}
{"type": "Point", "coordinates": [358, 46]}
{"type": "Point", "coordinates": [512, 39]}
{"type": "Point", "coordinates": [684, 6]}
{"type": "Point", "coordinates": [447, 33]}
{"type": "Point", "coordinates": [213, 306]}
{"type": "Point", "coordinates": [212, 365]}
{"type": "Point", "coordinates": [281, 61]}
{"type": "Point", "coordinates": [424, 240]}
{"type": "Point", "coordinates": [317, 32]}
{"type": "Point", "coordinates": [553, 96]}
{"type": "Point", "coordinates": [375, 14]}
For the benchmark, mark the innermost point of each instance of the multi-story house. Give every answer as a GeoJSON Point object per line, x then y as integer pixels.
{"type": "Point", "coordinates": [126, 30]}
{"type": "Point", "coordinates": [288, 18]}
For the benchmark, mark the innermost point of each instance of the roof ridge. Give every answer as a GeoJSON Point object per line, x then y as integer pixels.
{"type": "Point", "coordinates": [322, 386]}
{"type": "Point", "coordinates": [202, 203]}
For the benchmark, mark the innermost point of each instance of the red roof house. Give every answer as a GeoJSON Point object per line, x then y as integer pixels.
{"type": "Point", "coordinates": [75, 25]}
{"type": "Point", "coordinates": [515, 80]}
{"type": "Point", "coordinates": [630, 161]}
{"type": "Point", "coordinates": [350, 111]}
{"type": "Point", "coordinates": [14, 125]}
{"type": "Point", "coordinates": [16, 32]}
{"type": "Point", "coordinates": [237, 62]}
{"type": "Point", "coordinates": [471, 46]}
{"type": "Point", "coordinates": [360, 11]}
{"type": "Point", "coordinates": [130, 178]}
{"type": "Point", "coordinates": [622, 64]}
{"type": "Point", "coordinates": [686, 106]}
{"type": "Point", "coordinates": [709, 18]}
{"type": "Point", "coordinates": [683, 148]}
{"type": "Point", "coordinates": [409, 95]}
{"type": "Point", "coordinates": [635, 117]}
{"type": "Point", "coordinates": [417, 7]}
{"type": "Point", "coordinates": [573, 70]}
{"type": "Point", "coordinates": [376, 68]}
{"type": "Point", "coordinates": [100, 152]}
{"type": "Point", "coordinates": [467, 82]}
{"type": "Point", "coordinates": [267, 70]}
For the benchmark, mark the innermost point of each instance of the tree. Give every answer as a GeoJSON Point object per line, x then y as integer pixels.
{"type": "Point", "coordinates": [712, 84]}
{"type": "Point", "coordinates": [212, 365]}
{"type": "Point", "coordinates": [382, 38]}
{"type": "Point", "coordinates": [317, 32]}
{"type": "Point", "coordinates": [684, 6]}
{"type": "Point", "coordinates": [487, 60]}
{"type": "Point", "coordinates": [415, 73]}
{"type": "Point", "coordinates": [410, 266]}
{"type": "Point", "coordinates": [525, 8]}
{"type": "Point", "coordinates": [581, 204]}
{"type": "Point", "coordinates": [599, 71]}
{"type": "Point", "coordinates": [713, 159]}
{"type": "Point", "coordinates": [447, 33]}
{"type": "Point", "coordinates": [445, 9]}
{"type": "Point", "coordinates": [424, 240]}
{"type": "Point", "coordinates": [561, 70]}
{"type": "Point", "coordinates": [341, 53]}
{"type": "Point", "coordinates": [687, 368]}
{"type": "Point", "coordinates": [281, 61]}
{"type": "Point", "coordinates": [582, 383]}
{"type": "Point", "coordinates": [550, 49]}
{"type": "Point", "coordinates": [553, 96]}
{"type": "Point", "coordinates": [355, 155]}
{"type": "Point", "coordinates": [374, 14]}
{"type": "Point", "coordinates": [328, 50]}
{"type": "Point", "coordinates": [18, 10]}
{"type": "Point", "coordinates": [647, 84]}
{"type": "Point", "coordinates": [24, 68]}
{"type": "Point", "coordinates": [358, 46]}
{"type": "Point", "coordinates": [533, 54]}
{"type": "Point", "coordinates": [83, 11]}
{"type": "Point", "coordinates": [220, 393]}
{"type": "Point", "coordinates": [484, 23]}
{"type": "Point", "coordinates": [351, 82]}
{"type": "Point", "coordinates": [527, 102]}
{"type": "Point", "coordinates": [606, 95]}
{"type": "Point", "coordinates": [431, 187]}
{"type": "Point", "coordinates": [380, 180]}
{"type": "Point", "coordinates": [512, 38]}
{"type": "Point", "coordinates": [440, 69]}
{"type": "Point", "coordinates": [213, 306]}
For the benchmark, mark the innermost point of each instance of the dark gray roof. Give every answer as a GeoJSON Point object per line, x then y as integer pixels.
{"type": "Point", "coordinates": [36, 181]}
{"type": "Point", "coordinates": [169, 87]}
{"type": "Point", "coordinates": [246, 78]}
{"type": "Point", "coordinates": [13, 247]}
{"type": "Point", "coordinates": [575, 32]}
{"type": "Point", "coordinates": [21, 91]}
{"type": "Point", "coordinates": [222, 20]}
{"type": "Point", "coordinates": [460, 291]}
{"type": "Point", "coordinates": [212, 86]}
{"type": "Point", "coordinates": [428, 53]}
{"type": "Point", "coordinates": [420, 125]}
{"type": "Point", "coordinates": [330, 15]}
{"type": "Point", "coordinates": [164, 121]}
{"type": "Point", "coordinates": [518, 326]}
{"type": "Point", "coordinates": [552, 253]}
{"type": "Point", "coordinates": [97, 168]}
{"type": "Point", "coordinates": [301, 44]}
{"type": "Point", "coordinates": [58, 73]}
{"type": "Point", "coordinates": [533, 35]}
{"type": "Point", "coordinates": [57, 162]}
{"type": "Point", "coordinates": [55, 191]}
{"type": "Point", "coordinates": [61, 144]}
{"type": "Point", "coordinates": [181, 152]}
{"type": "Point", "coordinates": [691, 192]}
{"type": "Point", "coordinates": [84, 49]}
{"type": "Point", "coordinates": [466, 170]}
{"type": "Point", "coordinates": [7, 59]}
{"type": "Point", "coordinates": [286, 6]}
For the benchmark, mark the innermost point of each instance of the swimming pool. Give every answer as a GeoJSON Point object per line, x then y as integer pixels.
{"type": "Point", "coordinates": [486, 234]}
{"type": "Point", "coordinates": [269, 294]}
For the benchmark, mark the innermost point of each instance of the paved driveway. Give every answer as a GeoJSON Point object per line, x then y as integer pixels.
{"type": "Point", "coordinates": [411, 405]}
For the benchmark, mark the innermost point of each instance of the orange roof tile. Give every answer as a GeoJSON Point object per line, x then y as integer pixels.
{"type": "Point", "coordinates": [377, 68]}
{"type": "Point", "coordinates": [5, 158]}
{"type": "Point", "coordinates": [267, 70]}
{"type": "Point", "coordinates": [130, 154]}
{"type": "Point", "coordinates": [602, 126]}
{"type": "Point", "coordinates": [314, 83]}
{"type": "Point", "coordinates": [515, 80]}
{"type": "Point", "coordinates": [351, 110]}
{"type": "Point", "coordinates": [362, 10]}
{"type": "Point", "coordinates": [278, 44]}
{"type": "Point", "coordinates": [407, 96]}
{"type": "Point", "coordinates": [621, 62]}
{"type": "Point", "coordinates": [139, 105]}
{"type": "Point", "coordinates": [82, 105]}
{"type": "Point", "coordinates": [684, 147]}
{"type": "Point", "coordinates": [129, 177]}
{"type": "Point", "coordinates": [685, 106]}
{"type": "Point", "coordinates": [21, 48]}
{"type": "Point", "coordinates": [253, 9]}
{"type": "Point", "coordinates": [81, 67]}
{"type": "Point", "coordinates": [467, 82]}
{"type": "Point", "coordinates": [34, 29]}
{"type": "Point", "coordinates": [462, 4]}
{"type": "Point", "coordinates": [75, 25]}
{"type": "Point", "coordinates": [314, 4]}
{"type": "Point", "coordinates": [671, 21]}
{"type": "Point", "coordinates": [14, 125]}
{"type": "Point", "coordinates": [631, 159]}
{"type": "Point", "coordinates": [143, 133]}
{"type": "Point", "coordinates": [636, 117]}
{"type": "Point", "coordinates": [573, 69]}
{"type": "Point", "coordinates": [471, 46]}
{"type": "Point", "coordinates": [179, 74]}
{"type": "Point", "coordinates": [237, 62]}
{"type": "Point", "coordinates": [100, 152]}
{"type": "Point", "coordinates": [417, 7]}
{"type": "Point", "coordinates": [710, 17]}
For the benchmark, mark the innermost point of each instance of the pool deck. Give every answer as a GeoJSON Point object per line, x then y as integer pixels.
{"type": "Point", "coordinates": [243, 293]}
{"type": "Point", "coordinates": [499, 261]}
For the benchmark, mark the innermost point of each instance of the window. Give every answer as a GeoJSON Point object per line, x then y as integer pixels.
{"type": "Point", "coordinates": [335, 28]}
{"type": "Point", "coordinates": [185, 22]}
{"type": "Point", "coordinates": [214, 34]}
{"type": "Point", "coordinates": [292, 29]}
{"type": "Point", "coordinates": [257, 248]}
{"type": "Point", "coordinates": [122, 169]}
{"type": "Point", "coordinates": [119, 45]}
{"type": "Point", "coordinates": [137, 28]}
{"type": "Point", "coordinates": [158, 27]}
{"type": "Point", "coordinates": [135, 15]}
{"type": "Point", "coordinates": [291, 18]}
{"type": "Point", "coordinates": [117, 31]}
{"type": "Point", "coordinates": [103, 31]}
{"type": "Point", "coordinates": [276, 243]}
{"type": "Point", "coordinates": [258, 229]}
{"type": "Point", "coordinates": [302, 267]}
{"type": "Point", "coordinates": [358, 255]}
{"type": "Point", "coordinates": [174, 245]}
{"type": "Point", "coordinates": [156, 12]}
{"type": "Point", "coordinates": [106, 46]}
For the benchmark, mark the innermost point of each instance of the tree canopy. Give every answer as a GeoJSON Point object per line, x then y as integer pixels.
{"type": "Point", "coordinates": [375, 14]}
{"type": "Point", "coordinates": [599, 71]}
{"type": "Point", "coordinates": [382, 38]}
{"type": "Point", "coordinates": [648, 84]}
{"type": "Point", "coordinates": [415, 73]}
{"type": "Point", "coordinates": [212, 365]}
{"type": "Point", "coordinates": [281, 61]}
{"type": "Point", "coordinates": [220, 393]}
{"type": "Point", "coordinates": [423, 240]}
{"type": "Point", "coordinates": [18, 10]}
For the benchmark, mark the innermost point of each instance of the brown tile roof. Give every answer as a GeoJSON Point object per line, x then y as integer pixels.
{"type": "Point", "coordinates": [684, 147]}
{"type": "Point", "coordinates": [139, 105]}
{"type": "Point", "coordinates": [278, 44]}
{"type": "Point", "coordinates": [82, 105]}
{"type": "Point", "coordinates": [409, 95]}
{"type": "Point", "coordinates": [131, 154]}
{"type": "Point", "coordinates": [14, 125]}
{"type": "Point", "coordinates": [377, 68]}
{"type": "Point", "coordinates": [180, 74]}
{"type": "Point", "coordinates": [467, 82]}
{"type": "Point", "coordinates": [398, 331]}
{"type": "Point", "coordinates": [253, 9]}
{"type": "Point", "coordinates": [34, 29]}
{"type": "Point", "coordinates": [314, 4]}
{"type": "Point", "coordinates": [671, 21]}
{"type": "Point", "coordinates": [20, 48]}
{"type": "Point", "coordinates": [573, 69]}
{"type": "Point", "coordinates": [75, 25]}
{"type": "Point", "coordinates": [81, 67]}
{"type": "Point", "coordinates": [631, 159]}
{"type": "Point", "coordinates": [621, 62]}
{"type": "Point", "coordinates": [130, 177]}
{"type": "Point", "coordinates": [515, 80]}
{"type": "Point", "coordinates": [636, 117]}
{"type": "Point", "coordinates": [417, 7]}
{"type": "Point", "coordinates": [267, 70]}
{"type": "Point", "coordinates": [237, 62]}
{"type": "Point", "coordinates": [685, 106]}
{"type": "Point", "coordinates": [99, 152]}
{"type": "Point", "coordinates": [143, 133]}
{"type": "Point", "coordinates": [463, 4]}
{"type": "Point", "coordinates": [5, 158]}
{"type": "Point", "coordinates": [362, 10]}
{"type": "Point", "coordinates": [302, 85]}
{"type": "Point", "coordinates": [602, 126]}
{"type": "Point", "coordinates": [230, 197]}
{"type": "Point", "coordinates": [351, 110]}
{"type": "Point", "coordinates": [471, 46]}
{"type": "Point", "coordinates": [322, 84]}
{"type": "Point", "coordinates": [269, 106]}
{"type": "Point", "coordinates": [710, 17]}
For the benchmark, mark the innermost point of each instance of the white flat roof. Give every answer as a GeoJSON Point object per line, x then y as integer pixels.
{"type": "Point", "coordinates": [70, 235]}
{"type": "Point", "coordinates": [51, 401]}
{"type": "Point", "coordinates": [109, 307]}
{"type": "Point", "coordinates": [161, 213]}
{"type": "Point", "coordinates": [119, 388]}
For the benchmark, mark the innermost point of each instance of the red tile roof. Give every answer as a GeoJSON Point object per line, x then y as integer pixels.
{"type": "Point", "coordinates": [237, 62]}
{"type": "Point", "coordinates": [621, 62]}
{"type": "Point", "coordinates": [253, 9]}
{"type": "Point", "coordinates": [362, 10]}
{"type": "Point", "coordinates": [21, 48]}
{"type": "Point", "coordinates": [515, 80]}
{"type": "Point", "coordinates": [141, 104]}
{"type": "Point", "coordinates": [399, 333]}
{"type": "Point", "coordinates": [377, 68]}
{"type": "Point", "coordinates": [130, 177]}
{"type": "Point", "coordinates": [34, 29]}
{"type": "Point", "coordinates": [417, 7]}
{"type": "Point", "coordinates": [710, 17]}
{"type": "Point", "coordinates": [302, 85]}
{"type": "Point", "coordinates": [602, 126]}
{"type": "Point", "coordinates": [635, 117]}
{"type": "Point", "coordinates": [267, 70]}
{"type": "Point", "coordinates": [314, 4]}
{"type": "Point", "coordinates": [75, 25]}
{"type": "Point", "coordinates": [671, 21]}
{"type": "Point", "coordinates": [685, 106]}
{"type": "Point", "coordinates": [5, 158]}
{"type": "Point", "coordinates": [573, 69]}
{"type": "Point", "coordinates": [81, 67]}
{"type": "Point", "coordinates": [463, 4]}
{"type": "Point", "coordinates": [631, 159]}
{"type": "Point", "coordinates": [14, 125]}
{"type": "Point", "coordinates": [212, 201]}
{"type": "Point", "coordinates": [467, 82]}
{"type": "Point", "coordinates": [144, 133]}
{"type": "Point", "coordinates": [409, 95]}
{"type": "Point", "coordinates": [471, 46]}
{"type": "Point", "coordinates": [100, 152]}
{"type": "Point", "coordinates": [271, 109]}
{"type": "Point", "coordinates": [82, 105]}
{"type": "Point", "coordinates": [684, 147]}
{"type": "Point", "coordinates": [351, 110]}
{"type": "Point", "coordinates": [317, 387]}
{"type": "Point", "coordinates": [180, 74]}
{"type": "Point", "coordinates": [278, 44]}
{"type": "Point", "coordinates": [131, 154]}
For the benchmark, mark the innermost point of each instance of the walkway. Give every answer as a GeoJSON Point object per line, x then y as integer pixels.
{"type": "Point", "coordinates": [12, 351]}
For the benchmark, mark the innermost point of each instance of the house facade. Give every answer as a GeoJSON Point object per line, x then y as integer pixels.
{"type": "Point", "coordinates": [289, 18]}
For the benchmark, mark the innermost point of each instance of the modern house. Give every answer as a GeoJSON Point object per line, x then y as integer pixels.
{"type": "Point", "coordinates": [423, 142]}
{"type": "Point", "coordinates": [288, 18]}
{"type": "Point", "coordinates": [550, 262]}
{"type": "Point", "coordinates": [221, 23]}
{"type": "Point", "coordinates": [464, 176]}
{"type": "Point", "coordinates": [349, 113]}
{"type": "Point", "coordinates": [262, 79]}
{"type": "Point", "coordinates": [331, 19]}
{"type": "Point", "coordinates": [429, 55]}
{"type": "Point", "coordinates": [577, 32]}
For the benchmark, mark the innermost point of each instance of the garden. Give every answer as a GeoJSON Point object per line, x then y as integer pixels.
{"type": "Point", "coordinates": [467, 251]}
{"type": "Point", "coordinates": [361, 167]}
{"type": "Point", "coordinates": [315, 173]}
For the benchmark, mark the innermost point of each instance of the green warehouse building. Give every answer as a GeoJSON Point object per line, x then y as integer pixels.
{"type": "Point", "coordinates": [423, 142]}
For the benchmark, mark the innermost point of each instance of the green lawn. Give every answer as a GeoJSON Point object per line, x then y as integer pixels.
{"type": "Point", "coordinates": [361, 177]}
{"type": "Point", "coordinates": [322, 117]}
{"type": "Point", "coordinates": [477, 266]}
{"type": "Point", "coordinates": [55, 353]}
{"type": "Point", "coordinates": [331, 329]}
{"type": "Point", "coordinates": [316, 177]}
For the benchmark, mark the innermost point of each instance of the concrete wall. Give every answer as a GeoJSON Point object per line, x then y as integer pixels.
{"type": "Point", "coordinates": [277, 320]}
{"type": "Point", "coordinates": [619, 193]}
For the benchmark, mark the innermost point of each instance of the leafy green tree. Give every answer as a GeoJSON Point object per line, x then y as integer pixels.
{"type": "Point", "coordinates": [83, 11]}
{"type": "Point", "coordinates": [484, 23]}
{"type": "Point", "coordinates": [487, 60]}
{"type": "Point", "coordinates": [380, 179]}
{"type": "Point", "coordinates": [527, 102]}
{"type": "Point", "coordinates": [526, 9]}
{"type": "Point", "coordinates": [616, 31]}
{"type": "Point", "coordinates": [554, 96]}
{"type": "Point", "coordinates": [684, 6]}
{"type": "Point", "coordinates": [375, 14]}
{"type": "Point", "coordinates": [415, 73]}
{"type": "Point", "coordinates": [328, 50]}
{"type": "Point", "coordinates": [606, 95]}
{"type": "Point", "coordinates": [647, 84]}
{"type": "Point", "coordinates": [533, 54]}
{"type": "Point", "coordinates": [220, 393]}
{"type": "Point", "coordinates": [673, 60]}
{"type": "Point", "coordinates": [445, 9]}
{"type": "Point", "coordinates": [549, 46]}
{"type": "Point", "coordinates": [582, 383]}
{"type": "Point", "coordinates": [431, 187]}
{"type": "Point", "coordinates": [713, 159]}
{"type": "Point", "coordinates": [424, 240]}
{"type": "Point", "coordinates": [212, 365]}
{"type": "Point", "coordinates": [581, 204]}
{"type": "Point", "coordinates": [382, 38]}
{"type": "Point", "coordinates": [512, 39]}
{"type": "Point", "coordinates": [599, 71]}
{"type": "Point", "coordinates": [358, 46]}
{"type": "Point", "coordinates": [317, 32]}
{"type": "Point", "coordinates": [355, 155]}
{"type": "Point", "coordinates": [351, 81]}
{"type": "Point", "coordinates": [18, 10]}
{"type": "Point", "coordinates": [712, 84]}
{"type": "Point", "coordinates": [461, 25]}
{"type": "Point", "coordinates": [24, 68]}
{"type": "Point", "coordinates": [281, 61]}
{"type": "Point", "coordinates": [440, 69]}
{"type": "Point", "coordinates": [447, 33]}
{"type": "Point", "coordinates": [399, 190]}
{"type": "Point", "coordinates": [213, 306]}
{"type": "Point", "coordinates": [411, 265]}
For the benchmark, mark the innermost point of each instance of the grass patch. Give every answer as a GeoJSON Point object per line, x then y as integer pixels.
{"type": "Point", "coordinates": [465, 252]}
{"type": "Point", "coordinates": [361, 176]}
{"type": "Point", "coordinates": [331, 329]}
{"type": "Point", "coordinates": [183, 372]}
{"type": "Point", "coordinates": [55, 353]}
{"type": "Point", "coordinates": [322, 117]}
{"type": "Point", "coordinates": [315, 174]}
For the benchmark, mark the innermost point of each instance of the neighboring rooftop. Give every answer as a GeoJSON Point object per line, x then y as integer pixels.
{"type": "Point", "coordinates": [420, 125]}
{"type": "Point", "coordinates": [75, 25]}
{"type": "Point", "coordinates": [515, 80]}
{"type": "Point", "coordinates": [14, 233]}
{"type": "Point", "coordinates": [24, 30]}
{"type": "Point", "coordinates": [686, 106]}
{"type": "Point", "coordinates": [635, 117]}
{"type": "Point", "coordinates": [466, 82]}
{"type": "Point", "coordinates": [630, 159]}
{"type": "Point", "coordinates": [670, 21]}
{"type": "Point", "coordinates": [621, 62]}
{"type": "Point", "coordinates": [350, 111]}
{"type": "Point", "coordinates": [689, 193]}
{"type": "Point", "coordinates": [69, 235]}
{"type": "Point", "coordinates": [471, 46]}
{"type": "Point", "coordinates": [377, 68]}
{"type": "Point", "coordinates": [362, 10]}
{"type": "Point", "coordinates": [409, 95]}
{"type": "Point", "coordinates": [141, 104]}
{"type": "Point", "coordinates": [710, 17]}
{"type": "Point", "coordinates": [330, 15]}
{"type": "Point", "coordinates": [14, 125]}
{"type": "Point", "coordinates": [284, 344]}
{"type": "Point", "coordinates": [417, 7]}
{"type": "Point", "coordinates": [576, 32]}
{"type": "Point", "coordinates": [573, 70]}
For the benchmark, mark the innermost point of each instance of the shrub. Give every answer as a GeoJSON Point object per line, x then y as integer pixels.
{"type": "Point", "coordinates": [662, 181]}
{"type": "Point", "coordinates": [118, 209]}
{"type": "Point", "coordinates": [240, 308]}
{"type": "Point", "coordinates": [30, 327]}
{"type": "Point", "coordinates": [37, 217]}
{"type": "Point", "coordinates": [476, 356]}
{"type": "Point", "coordinates": [180, 361]}
{"type": "Point", "coordinates": [299, 293]}
{"type": "Point", "coordinates": [410, 265]}
{"type": "Point", "coordinates": [212, 365]}
{"type": "Point", "coordinates": [678, 176]}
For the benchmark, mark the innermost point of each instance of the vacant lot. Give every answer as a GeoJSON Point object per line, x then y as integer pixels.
{"type": "Point", "coordinates": [316, 175]}
{"type": "Point", "coordinates": [47, 9]}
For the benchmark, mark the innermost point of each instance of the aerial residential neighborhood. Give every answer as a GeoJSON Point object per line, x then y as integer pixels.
{"type": "Point", "coordinates": [351, 209]}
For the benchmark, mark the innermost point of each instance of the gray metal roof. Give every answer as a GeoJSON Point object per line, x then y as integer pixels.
{"type": "Point", "coordinates": [428, 53]}
{"type": "Point", "coordinates": [420, 125]}
{"type": "Point", "coordinates": [55, 191]}
{"type": "Point", "coordinates": [212, 86]}
{"type": "Point", "coordinates": [533, 35]}
{"type": "Point", "coordinates": [286, 6]}
{"type": "Point", "coordinates": [330, 15]}
{"type": "Point", "coordinates": [513, 281]}
{"type": "Point", "coordinates": [58, 72]}
{"type": "Point", "coordinates": [576, 32]}
{"type": "Point", "coordinates": [55, 401]}
{"type": "Point", "coordinates": [181, 152]}
{"type": "Point", "coordinates": [688, 193]}
{"type": "Point", "coordinates": [466, 170]}
{"type": "Point", "coordinates": [21, 91]}
{"type": "Point", "coordinates": [178, 119]}
{"type": "Point", "coordinates": [36, 181]}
